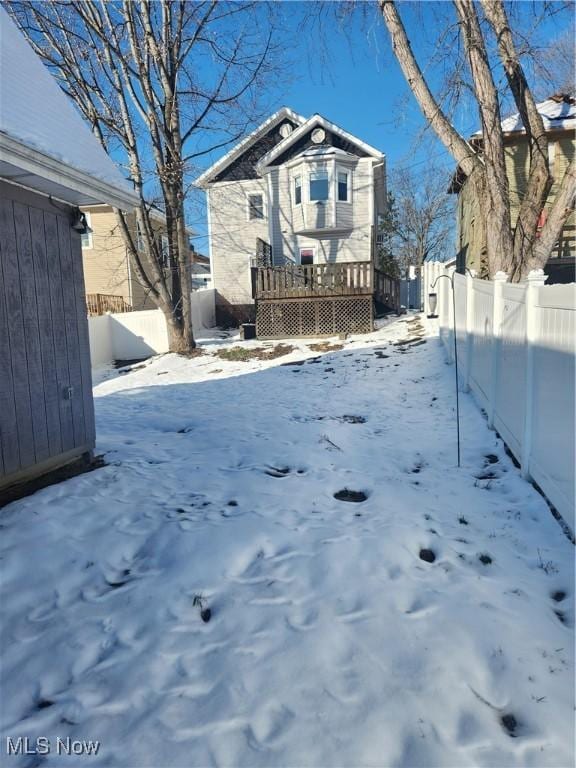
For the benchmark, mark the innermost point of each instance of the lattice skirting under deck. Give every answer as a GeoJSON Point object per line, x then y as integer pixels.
{"type": "Point", "coordinates": [278, 319]}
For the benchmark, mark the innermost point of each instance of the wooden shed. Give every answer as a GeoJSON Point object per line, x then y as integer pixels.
{"type": "Point", "coordinates": [50, 164]}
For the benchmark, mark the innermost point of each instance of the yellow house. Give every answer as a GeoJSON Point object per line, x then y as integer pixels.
{"type": "Point", "coordinates": [111, 281]}
{"type": "Point", "coordinates": [559, 115]}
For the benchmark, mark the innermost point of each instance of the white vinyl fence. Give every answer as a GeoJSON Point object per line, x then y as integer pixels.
{"type": "Point", "coordinates": [516, 348]}
{"type": "Point", "coordinates": [136, 335]}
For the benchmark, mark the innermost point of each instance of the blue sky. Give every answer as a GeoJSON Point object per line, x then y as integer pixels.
{"type": "Point", "coordinates": [352, 78]}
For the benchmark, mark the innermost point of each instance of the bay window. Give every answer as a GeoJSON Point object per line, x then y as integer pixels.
{"type": "Point", "coordinates": [319, 188]}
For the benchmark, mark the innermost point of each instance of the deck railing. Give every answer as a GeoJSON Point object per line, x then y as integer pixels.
{"type": "Point", "coordinates": [314, 280]}
{"type": "Point", "coordinates": [387, 290]}
{"type": "Point", "coordinates": [100, 303]}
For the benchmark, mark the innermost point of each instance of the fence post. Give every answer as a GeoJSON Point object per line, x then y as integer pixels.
{"type": "Point", "coordinates": [470, 275]}
{"type": "Point", "coordinates": [497, 315]}
{"type": "Point", "coordinates": [535, 280]}
{"type": "Point", "coordinates": [425, 289]}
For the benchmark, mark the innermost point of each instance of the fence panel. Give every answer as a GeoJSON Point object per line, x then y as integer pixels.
{"type": "Point", "coordinates": [521, 352]}
{"type": "Point", "coordinates": [461, 301]}
{"type": "Point", "coordinates": [511, 391]}
{"type": "Point", "coordinates": [481, 364]}
{"type": "Point", "coordinates": [552, 458]}
{"type": "Point", "coordinates": [137, 335]}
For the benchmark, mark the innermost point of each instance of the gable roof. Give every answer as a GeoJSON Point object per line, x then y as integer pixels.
{"type": "Point", "coordinates": [205, 178]}
{"type": "Point", "coordinates": [313, 122]}
{"type": "Point", "coordinates": [44, 142]}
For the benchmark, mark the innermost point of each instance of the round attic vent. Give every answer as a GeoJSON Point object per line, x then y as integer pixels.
{"type": "Point", "coordinates": [285, 130]}
{"type": "Point", "coordinates": [318, 135]}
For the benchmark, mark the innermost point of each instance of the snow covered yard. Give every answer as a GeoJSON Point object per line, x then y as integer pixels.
{"type": "Point", "coordinates": [331, 642]}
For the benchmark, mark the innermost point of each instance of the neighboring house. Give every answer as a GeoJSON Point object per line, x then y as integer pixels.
{"type": "Point", "coordinates": [201, 276]}
{"type": "Point", "coordinates": [559, 115]}
{"type": "Point", "coordinates": [299, 193]}
{"type": "Point", "coordinates": [50, 163]}
{"type": "Point", "coordinates": [111, 281]}
{"type": "Point", "coordinates": [200, 270]}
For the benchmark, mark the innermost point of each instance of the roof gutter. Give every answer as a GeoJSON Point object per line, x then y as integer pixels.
{"type": "Point", "coordinates": [36, 163]}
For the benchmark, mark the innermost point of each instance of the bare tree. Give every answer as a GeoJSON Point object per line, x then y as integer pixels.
{"type": "Point", "coordinates": [162, 84]}
{"type": "Point", "coordinates": [516, 248]}
{"type": "Point", "coordinates": [423, 215]}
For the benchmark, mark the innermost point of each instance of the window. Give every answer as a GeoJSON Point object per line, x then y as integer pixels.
{"type": "Point", "coordinates": [86, 238]}
{"type": "Point", "coordinates": [319, 186]}
{"type": "Point", "coordinates": [297, 190]}
{"type": "Point", "coordinates": [139, 238]}
{"type": "Point", "coordinates": [255, 207]}
{"type": "Point", "coordinates": [343, 186]}
{"type": "Point", "coordinates": [306, 256]}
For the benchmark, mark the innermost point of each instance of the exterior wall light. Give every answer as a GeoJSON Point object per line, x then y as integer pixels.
{"type": "Point", "coordinates": [78, 221]}
{"type": "Point", "coordinates": [433, 303]}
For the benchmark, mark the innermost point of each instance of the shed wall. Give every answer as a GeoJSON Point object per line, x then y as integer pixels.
{"type": "Point", "coordinates": [46, 407]}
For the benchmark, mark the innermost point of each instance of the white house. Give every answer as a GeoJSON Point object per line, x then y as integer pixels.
{"type": "Point", "coordinates": [296, 191]}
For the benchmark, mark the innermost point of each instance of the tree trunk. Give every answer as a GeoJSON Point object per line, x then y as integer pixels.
{"type": "Point", "coordinates": [180, 338]}
{"type": "Point", "coordinates": [495, 203]}
{"type": "Point", "coordinates": [460, 149]}
{"type": "Point", "coordinates": [539, 178]}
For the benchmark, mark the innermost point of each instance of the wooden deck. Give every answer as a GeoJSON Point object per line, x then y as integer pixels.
{"type": "Point", "coordinates": [314, 280]}
{"type": "Point", "coordinates": [320, 299]}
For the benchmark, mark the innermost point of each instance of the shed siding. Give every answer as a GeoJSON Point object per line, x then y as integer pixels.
{"type": "Point", "coordinates": [43, 336]}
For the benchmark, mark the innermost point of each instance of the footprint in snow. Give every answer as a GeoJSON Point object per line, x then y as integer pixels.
{"type": "Point", "coordinates": [427, 555]}
{"type": "Point", "coordinates": [352, 496]}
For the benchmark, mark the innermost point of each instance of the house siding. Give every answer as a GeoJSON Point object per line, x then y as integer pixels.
{"type": "Point", "coordinates": [233, 243]}
{"type": "Point", "coordinates": [338, 231]}
{"type": "Point", "coordinates": [106, 264]}
{"type": "Point", "coordinates": [288, 218]}
{"type": "Point", "coordinates": [46, 408]}
{"type": "Point", "coordinates": [517, 159]}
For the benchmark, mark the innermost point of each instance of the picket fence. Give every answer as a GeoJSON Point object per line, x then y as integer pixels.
{"type": "Point", "coordinates": [516, 347]}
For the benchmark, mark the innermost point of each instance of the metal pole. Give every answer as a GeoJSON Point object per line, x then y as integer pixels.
{"type": "Point", "coordinates": [456, 366]}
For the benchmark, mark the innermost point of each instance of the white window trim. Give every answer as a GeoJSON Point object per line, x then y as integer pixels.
{"type": "Point", "coordinates": [306, 248]}
{"type": "Point", "coordinates": [256, 194]}
{"type": "Point", "coordinates": [89, 233]}
{"type": "Point", "coordinates": [348, 172]}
